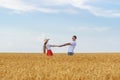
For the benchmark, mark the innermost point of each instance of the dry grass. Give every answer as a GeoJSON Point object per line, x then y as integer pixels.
{"type": "Point", "coordinates": [60, 67]}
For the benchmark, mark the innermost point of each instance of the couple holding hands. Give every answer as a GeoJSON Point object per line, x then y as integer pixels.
{"type": "Point", "coordinates": [72, 45]}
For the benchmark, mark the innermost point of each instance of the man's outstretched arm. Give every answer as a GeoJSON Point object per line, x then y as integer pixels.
{"type": "Point", "coordinates": [66, 44]}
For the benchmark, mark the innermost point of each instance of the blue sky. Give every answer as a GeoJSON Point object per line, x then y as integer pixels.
{"type": "Point", "coordinates": [24, 24]}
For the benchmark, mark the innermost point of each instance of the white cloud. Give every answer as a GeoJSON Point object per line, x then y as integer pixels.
{"type": "Point", "coordinates": [19, 6]}
{"type": "Point", "coordinates": [15, 5]}
{"type": "Point", "coordinates": [104, 12]}
{"type": "Point", "coordinates": [89, 29]}
{"type": "Point", "coordinates": [97, 11]}
{"type": "Point", "coordinates": [56, 6]}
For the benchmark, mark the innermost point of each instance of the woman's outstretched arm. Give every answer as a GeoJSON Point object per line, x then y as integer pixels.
{"type": "Point", "coordinates": [66, 44]}
{"type": "Point", "coordinates": [54, 45]}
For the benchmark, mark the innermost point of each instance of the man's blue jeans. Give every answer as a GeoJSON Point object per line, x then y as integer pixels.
{"type": "Point", "coordinates": [70, 53]}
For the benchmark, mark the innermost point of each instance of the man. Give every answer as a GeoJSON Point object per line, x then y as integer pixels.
{"type": "Point", "coordinates": [71, 45]}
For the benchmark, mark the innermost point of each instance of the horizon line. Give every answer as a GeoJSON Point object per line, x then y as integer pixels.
{"type": "Point", "coordinates": [60, 52]}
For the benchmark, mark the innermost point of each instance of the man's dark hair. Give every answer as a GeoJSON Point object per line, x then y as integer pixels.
{"type": "Point", "coordinates": [75, 36]}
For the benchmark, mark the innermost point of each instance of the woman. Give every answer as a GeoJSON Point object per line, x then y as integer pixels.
{"type": "Point", "coordinates": [48, 48]}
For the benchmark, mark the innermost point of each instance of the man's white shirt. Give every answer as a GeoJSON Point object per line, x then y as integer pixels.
{"type": "Point", "coordinates": [72, 47]}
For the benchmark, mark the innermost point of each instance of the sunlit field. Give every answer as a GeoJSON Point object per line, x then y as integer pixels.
{"type": "Point", "coordinates": [60, 67]}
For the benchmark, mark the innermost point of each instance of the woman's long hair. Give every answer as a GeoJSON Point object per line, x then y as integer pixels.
{"type": "Point", "coordinates": [44, 46]}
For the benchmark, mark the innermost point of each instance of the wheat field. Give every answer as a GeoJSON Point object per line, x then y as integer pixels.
{"type": "Point", "coordinates": [60, 67]}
